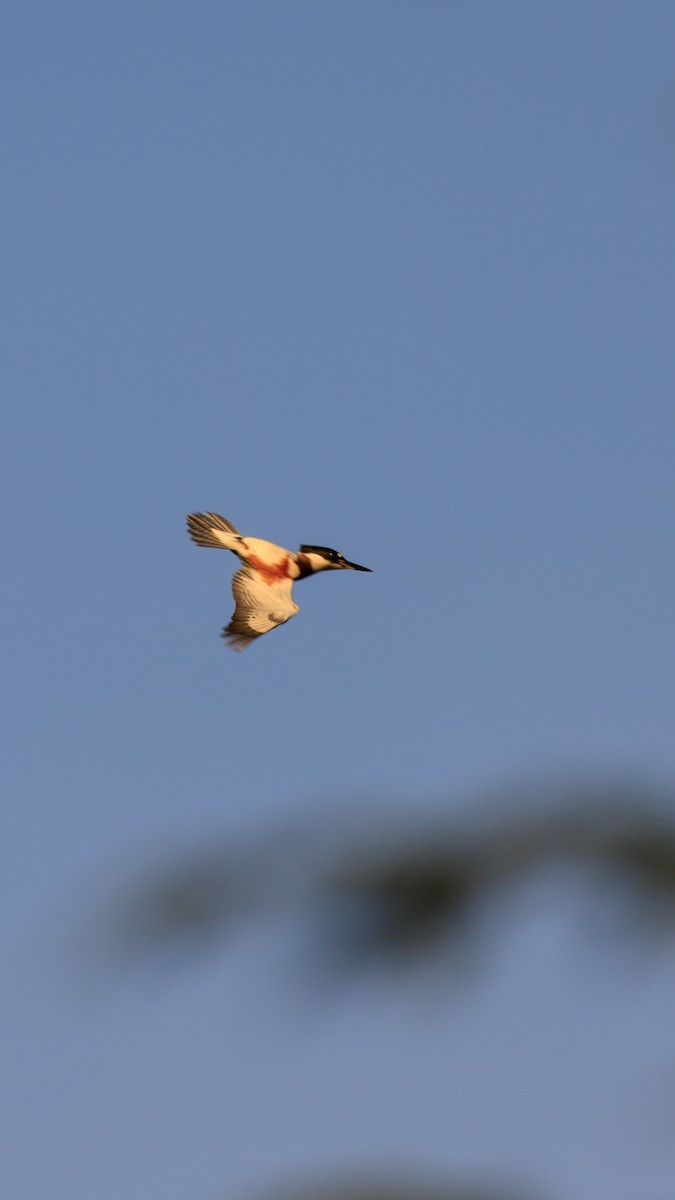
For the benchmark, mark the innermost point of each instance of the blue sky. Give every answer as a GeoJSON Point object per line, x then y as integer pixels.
{"type": "Point", "coordinates": [397, 278]}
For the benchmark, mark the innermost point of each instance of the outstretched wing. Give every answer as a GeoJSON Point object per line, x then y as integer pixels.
{"type": "Point", "coordinates": [260, 606]}
{"type": "Point", "coordinates": [210, 529]}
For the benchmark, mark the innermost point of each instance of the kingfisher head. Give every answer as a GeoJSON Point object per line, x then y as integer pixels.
{"type": "Point", "coordinates": [321, 558]}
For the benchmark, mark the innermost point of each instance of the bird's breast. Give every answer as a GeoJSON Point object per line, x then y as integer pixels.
{"type": "Point", "coordinates": [271, 572]}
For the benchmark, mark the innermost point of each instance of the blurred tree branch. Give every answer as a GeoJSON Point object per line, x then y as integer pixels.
{"type": "Point", "coordinates": [389, 1190]}
{"type": "Point", "coordinates": [393, 891]}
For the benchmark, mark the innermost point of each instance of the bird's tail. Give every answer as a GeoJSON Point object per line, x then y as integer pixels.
{"type": "Point", "coordinates": [208, 529]}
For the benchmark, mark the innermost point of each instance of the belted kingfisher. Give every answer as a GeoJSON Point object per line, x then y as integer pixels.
{"type": "Point", "coordinates": [262, 588]}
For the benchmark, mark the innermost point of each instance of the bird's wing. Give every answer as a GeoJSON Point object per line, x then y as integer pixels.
{"type": "Point", "coordinates": [259, 607]}
{"type": "Point", "coordinates": [209, 529]}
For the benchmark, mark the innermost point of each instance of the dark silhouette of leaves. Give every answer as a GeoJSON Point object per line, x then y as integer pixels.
{"type": "Point", "coordinates": [382, 895]}
{"type": "Point", "coordinates": [391, 1190]}
{"type": "Point", "coordinates": [383, 1189]}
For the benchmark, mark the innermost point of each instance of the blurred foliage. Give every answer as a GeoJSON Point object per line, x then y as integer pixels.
{"type": "Point", "coordinates": [380, 887]}
{"type": "Point", "coordinates": [385, 890]}
{"type": "Point", "coordinates": [410, 1190]}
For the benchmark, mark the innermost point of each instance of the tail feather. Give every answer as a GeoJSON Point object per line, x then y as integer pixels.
{"type": "Point", "coordinates": [210, 529]}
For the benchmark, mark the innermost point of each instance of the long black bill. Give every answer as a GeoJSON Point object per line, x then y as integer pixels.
{"type": "Point", "coordinates": [356, 567]}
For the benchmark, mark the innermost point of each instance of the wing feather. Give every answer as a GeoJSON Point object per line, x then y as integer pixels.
{"type": "Point", "coordinates": [210, 529]}
{"type": "Point", "coordinates": [259, 607]}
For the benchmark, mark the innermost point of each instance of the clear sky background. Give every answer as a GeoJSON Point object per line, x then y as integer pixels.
{"type": "Point", "coordinates": [397, 278]}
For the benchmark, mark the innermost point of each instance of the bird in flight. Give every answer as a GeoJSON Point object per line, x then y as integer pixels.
{"type": "Point", "coordinates": [262, 589]}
